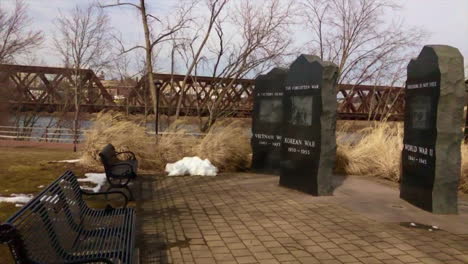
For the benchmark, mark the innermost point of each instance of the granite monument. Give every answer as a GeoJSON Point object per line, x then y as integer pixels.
{"type": "Point", "coordinates": [308, 146]}
{"type": "Point", "coordinates": [431, 158]}
{"type": "Point", "coordinates": [267, 120]}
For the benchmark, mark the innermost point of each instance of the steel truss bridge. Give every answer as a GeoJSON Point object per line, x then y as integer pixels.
{"type": "Point", "coordinates": [32, 88]}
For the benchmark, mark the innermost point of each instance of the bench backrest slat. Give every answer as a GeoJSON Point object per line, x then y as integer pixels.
{"type": "Point", "coordinates": [108, 156]}
{"type": "Point", "coordinates": [50, 223]}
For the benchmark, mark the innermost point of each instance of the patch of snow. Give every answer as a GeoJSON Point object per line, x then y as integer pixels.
{"type": "Point", "coordinates": [413, 224]}
{"type": "Point", "coordinates": [68, 161]}
{"type": "Point", "coordinates": [192, 166]}
{"type": "Point", "coordinates": [435, 227]}
{"type": "Point", "coordinates": [17, 198]}
{"type": "Point", "coordinates": [96, 178]}
{"type": "Point", "coordinates": [40, 186]}
{"type": "Point", "coordinates": [18, 205]}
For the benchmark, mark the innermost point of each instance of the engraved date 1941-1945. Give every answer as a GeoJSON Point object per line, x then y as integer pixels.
{"type": "Point", "coordinates": [420, 151]}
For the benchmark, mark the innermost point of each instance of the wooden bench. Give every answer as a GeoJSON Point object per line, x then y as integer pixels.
{"type": "Point", "coordinates": [58, 227]}
{"type": "Point", "coordinates": [119, 172]}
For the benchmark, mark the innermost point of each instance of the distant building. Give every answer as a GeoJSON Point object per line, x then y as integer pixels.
{"type": "Point", "coordinates": [119, 89]}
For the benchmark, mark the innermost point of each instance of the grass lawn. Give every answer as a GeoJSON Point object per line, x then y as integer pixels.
{"type": "Point", "coordinates": [24, 169]}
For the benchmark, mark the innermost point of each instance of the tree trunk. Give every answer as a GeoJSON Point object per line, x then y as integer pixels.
{"type": "Point", "coordinates": [149, 65]}
{"type": "Point", "coordinates": [214, 14]}
{"type": "Point", "coordinates": [77, 110]}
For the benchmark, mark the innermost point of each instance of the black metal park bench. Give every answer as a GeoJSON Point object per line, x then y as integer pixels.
{"type": "Point", "coordinates": [119, 172]}
{"type": "Point", "coordinates": [58, 227]}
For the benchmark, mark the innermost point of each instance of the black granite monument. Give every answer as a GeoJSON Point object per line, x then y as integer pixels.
{"type": "Point", "coordinates": [267, 120]}
{"type": "Point", "coordinates": [308, 147]}
{"type": "Point", "coordinates": [431, 157]}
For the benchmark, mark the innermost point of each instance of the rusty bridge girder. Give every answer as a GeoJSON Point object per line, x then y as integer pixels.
{"type": "Point", "coordinates": [33, 88]}
{"type": "Point", "coordinates": [369, 102]}
{"type": "Point", "coordinates": [359, 102]}
{"type": "Point", "coordinates": [200, 96]}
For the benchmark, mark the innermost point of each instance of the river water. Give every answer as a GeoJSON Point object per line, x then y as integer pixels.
{"type": "Point", "coordinates": [62, 130]}
{"type": "Point", "coordinates": [64, 133]}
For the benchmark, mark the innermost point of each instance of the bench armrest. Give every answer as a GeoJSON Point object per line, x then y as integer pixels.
{"type": "Point", "coordinates": [105, 193]}
{"type": "Point", "coordinates": [126, 152]}
{"type": "Point", "coordinates": [92, 260]}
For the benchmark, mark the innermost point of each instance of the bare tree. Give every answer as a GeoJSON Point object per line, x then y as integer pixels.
{"type": "Point", "coordinates": [18, 45]}
{"type": "Point", "coordinates": [367, 49]}
{"type": "Point", "coordinates": [4, 98]}
{"type": "Point", "coordinates": [121, 67]}
{"type": "Point", "coordinates": [166, 28]}
{"type": "Point", "coordinates": [248, 39]}
{"type": "Point", "coordinates": [16, 41]}
{"type": "Point", "coordinates": [354, 35]}
{"type": "Point", "coordinates": [265, 42]}
{"type": "Point", "coordinates": [83, 37]}
{"type": "Point", "coordinates": [215, 8]}
{"type": "Point", "coordinates": [82, 40]}
{"type": "Point", "coordinates": [15, 38]}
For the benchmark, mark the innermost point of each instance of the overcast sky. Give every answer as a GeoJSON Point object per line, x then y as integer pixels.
{"type": "Point", "coordinates": [445, 20]}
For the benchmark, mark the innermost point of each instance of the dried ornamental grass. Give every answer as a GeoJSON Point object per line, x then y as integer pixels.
{"type": "Point", "coordinates": [227, 146]}
{"type": "Point", "coordinates": [464, 174]}
{"type": "Point", "coordinates": [123, 134]}
{"type": "Point", "coordinates": [376, 153]}
{"type": "Point", "coordinates": [175, 144]}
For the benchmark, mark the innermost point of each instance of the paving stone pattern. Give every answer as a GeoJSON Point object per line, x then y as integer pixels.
{"type": "Point", "coordinates": [247, 218]}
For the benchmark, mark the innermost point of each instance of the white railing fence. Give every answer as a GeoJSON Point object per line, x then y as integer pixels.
{"type": "Point", "coordinates": [50, 134]}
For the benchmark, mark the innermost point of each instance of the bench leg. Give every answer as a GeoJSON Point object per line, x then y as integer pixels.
{"type": "Point", "coordinates": [130, 194]}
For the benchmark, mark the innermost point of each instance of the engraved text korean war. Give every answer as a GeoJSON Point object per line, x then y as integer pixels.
{"type": "Point", "coordinates": [308, 145]}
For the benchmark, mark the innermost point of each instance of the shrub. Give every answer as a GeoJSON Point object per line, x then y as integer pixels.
{"type": "Point", "coordinates": [464, 175]}
{"type": "Point", "coordinates": [376, 151]}
{"type": "Point", "coordinates": [172, 146]}
{"type": "Point", "coordinates": [123, 134]}
{"type": "Point", "coordinates": [373, 151]}
{"type": "Point", "coordinates": [226, 145]}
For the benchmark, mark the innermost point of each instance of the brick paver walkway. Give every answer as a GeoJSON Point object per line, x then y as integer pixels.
{"type": "Point", "coordinates": [248, 218]}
